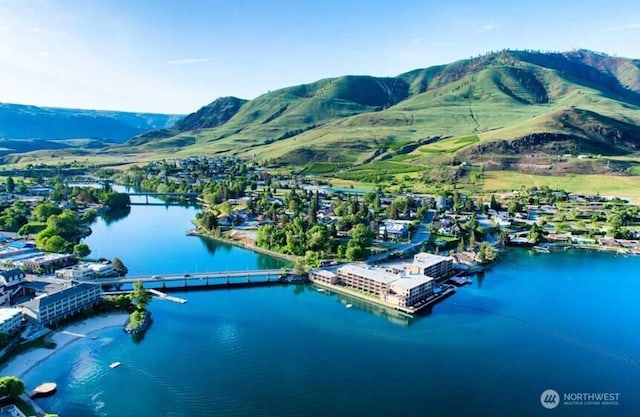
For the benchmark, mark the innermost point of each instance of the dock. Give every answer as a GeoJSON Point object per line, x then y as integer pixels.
{"type": "Point", "coordinates": [459, 281]}
{"type": "Point", "coordinates": [163, 296]}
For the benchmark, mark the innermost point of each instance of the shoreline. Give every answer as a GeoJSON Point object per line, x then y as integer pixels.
{"type": "Point", "coordinates": [20, 365]}
{"type": "Point", "coordinates": [243, 245]}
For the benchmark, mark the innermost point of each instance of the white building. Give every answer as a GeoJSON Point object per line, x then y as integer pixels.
{"type": "Point", "coordinates": [409, 290]}
{"type": "Point", "coordinates": [86, 270]}
{"type": "Point", "coordinates": [435, 266]}
{"type": "Point", "coordinates": [10, 320]}
{"type": "Point", "coordinates": [396, 289]}
{"type": "Point", "coordinates": [48, 308]}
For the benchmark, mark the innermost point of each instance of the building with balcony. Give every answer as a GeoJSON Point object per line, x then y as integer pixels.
{"type": "Point", "coordinates": [435, 266]}
{"type": "Point", "coordinates": [48, 308]}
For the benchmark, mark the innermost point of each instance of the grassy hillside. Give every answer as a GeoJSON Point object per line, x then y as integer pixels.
{"type": "Point", "coordinates": [502, 109]}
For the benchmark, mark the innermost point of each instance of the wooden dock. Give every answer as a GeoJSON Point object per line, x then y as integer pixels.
{"type": "Point", "coordinates": [163, 296]}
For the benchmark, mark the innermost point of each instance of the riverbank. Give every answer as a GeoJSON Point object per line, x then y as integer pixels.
{"type": "Point", "coordinates": [20, 365]}
{"type": "Point", "coordinates": [242, 242]}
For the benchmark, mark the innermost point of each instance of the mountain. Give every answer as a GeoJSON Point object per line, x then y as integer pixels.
{"type": "Point", "coordinates": [496, 107]}
{"type": "Point", "coordinates": [46, 127]}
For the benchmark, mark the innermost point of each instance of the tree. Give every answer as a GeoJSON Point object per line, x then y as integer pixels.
{"type": "Point", "coordinates": [11, 185]}
{"type": "Point", "coordinates": [486, 254]}
{"type": "Point", "coordinates": [141, 296]}
{"type": "Point", "coordinates": [535, 234]}
{"type": "Point", "coordinates": [119, 267]}
{"type": "Point", "coordinates": [117, 200]}
{"type": "Point", "coordinates": [11, 387]}
{"type": "Point", "coordinates": [57, 244]}
{"type": "Point", "coordinates": [81, 250]}
{"type": "Point", "coordinates": [299, 266]}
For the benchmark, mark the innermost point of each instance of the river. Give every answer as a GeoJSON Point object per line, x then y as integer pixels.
{"type": "Point", "coordinates": [564, 321]}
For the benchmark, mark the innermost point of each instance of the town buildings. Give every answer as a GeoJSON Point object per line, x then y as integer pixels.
{"type": "Point", "coordinates": [48, 308]}
{"type": "Point", "coordinates": [402, 286]}
{"type": "Point", "coordinates": [86, 270]}
{"type": "Point", "coordinates": [10, 320]}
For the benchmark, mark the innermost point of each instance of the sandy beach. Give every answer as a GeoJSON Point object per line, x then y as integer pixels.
{"type": "Point", "coordinates": [20, 365]}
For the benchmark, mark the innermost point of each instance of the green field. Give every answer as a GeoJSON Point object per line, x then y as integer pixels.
{"type": "Point", "coordinates": [608, 185]}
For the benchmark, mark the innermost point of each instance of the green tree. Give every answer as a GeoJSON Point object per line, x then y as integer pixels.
{"type": "Point", "coordinates": [535, 234]}
{"type": "Point", "coordinates": [486, 254]}
{"type": "Point", "coordinates": [44, 209]}
{"type": "Point", "coordinates": [119, 267]}
{"type": "Point", "coordinates": [141, 296]}
{"type": "Point", "coordinates": [11, 185]}
{"type": "Point", "coordinates": [57, 244]}
{"type": "Point", "coordinates": [11, 387]}
{"type": "Point", "coordinates": [81, 250]}
{"type": "Point", "coordinates": [311, 259]}
{"type": "Point", "coordinates": [117, 200]}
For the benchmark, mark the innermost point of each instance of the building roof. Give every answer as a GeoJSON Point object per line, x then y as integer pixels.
{"type": "Point", "coordinates": [8, 313]}
{"type": "Point", "coordinates": [46, 299]}
{"type": "Point", "coordinates": [411, 281]}
{"type": "Point", "coordinates": [374, 274]}
{"type": "Point", "coordinates": [428, 259]}
{"type": "Point", "coordinates": [324, 273]}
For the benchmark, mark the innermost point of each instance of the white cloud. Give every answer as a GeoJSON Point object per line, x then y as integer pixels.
{"type": "Point", "coordinates": [188, 61]}
{"type": "Point", "coordinates": [625, 27]}
{"type": "Point", "coordinates": [488, 27]}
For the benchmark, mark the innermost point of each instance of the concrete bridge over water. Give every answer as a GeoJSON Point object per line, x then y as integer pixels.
{"type": "Point", "coordinates": [201, 279]}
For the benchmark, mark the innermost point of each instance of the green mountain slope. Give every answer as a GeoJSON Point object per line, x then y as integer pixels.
{"type": "Point", "coordinates": [581, 102]}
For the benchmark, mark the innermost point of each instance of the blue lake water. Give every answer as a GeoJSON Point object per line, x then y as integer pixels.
{"type": "Point", "coordinates": [565, 321]}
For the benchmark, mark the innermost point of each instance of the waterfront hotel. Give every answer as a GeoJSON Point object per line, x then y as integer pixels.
{"type": "Point", "coordinates": [403, 286]}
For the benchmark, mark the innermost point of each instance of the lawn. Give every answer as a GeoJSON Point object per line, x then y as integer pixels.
{"type": "Point", "coordinates": [608, 185]}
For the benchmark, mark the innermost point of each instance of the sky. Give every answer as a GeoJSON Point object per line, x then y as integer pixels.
{"type": "Point", "coordinates": [168, 56]}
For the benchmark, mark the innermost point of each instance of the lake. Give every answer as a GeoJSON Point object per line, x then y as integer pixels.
{"type": "Point", "coordinates": [565, 321]}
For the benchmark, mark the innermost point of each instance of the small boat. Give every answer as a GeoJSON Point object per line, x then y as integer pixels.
{"type": "Point", "coordinates": [541, 249]}
{"type": "Point", "coordinates": [115, 365]}
{"type": "Point", "coordinates": [44, 390]}
{"type": "Point", "coordinates": [321, 290]}
{"type": "Point", "coordinates": [349, 305]}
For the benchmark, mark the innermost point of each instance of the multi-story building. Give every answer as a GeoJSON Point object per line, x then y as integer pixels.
{"type": "Point", "coordinates": [409, 290]}
{"type": "Point", "coordinates": [10, 320]}
{"type": "Point", "coordinates": [394, 289]}
{"type": "Point", "coordinates": [48, 262]}
{"type": "Point", "coordinates": [370, 280]}
{"type": "Point", "coordinates": [323, 276]}
{"type": "Point", "coordinates": [48, 308]}
{"type": "Point", "coordinates": [435, 266]}
{"type": "Point", "coordinates": [86, 270]}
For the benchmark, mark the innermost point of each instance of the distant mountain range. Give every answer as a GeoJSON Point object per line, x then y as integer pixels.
{"type": "Point", "coordinates": [508, 103]}
{"type": "Point", "coordinates": [24, 128]}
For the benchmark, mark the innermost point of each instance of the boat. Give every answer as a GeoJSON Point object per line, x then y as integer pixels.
{"type": "Point", "coordinates": [541, 249]}
{"type": "Point", "coordinates": [115, 365]}
{"type": "Point", "coordinates": [44, 390]}
{"type": "Point", "coordinates": [349, 305]}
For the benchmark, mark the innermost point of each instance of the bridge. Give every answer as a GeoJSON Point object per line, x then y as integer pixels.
{"type": "Point", "coordinates": [146, 195]}
{"type": "Point", "coordinates": [229, 278]}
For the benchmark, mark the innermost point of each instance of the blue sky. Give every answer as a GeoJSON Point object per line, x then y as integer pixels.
{"type": "Point", "coordinates": [176, 56]}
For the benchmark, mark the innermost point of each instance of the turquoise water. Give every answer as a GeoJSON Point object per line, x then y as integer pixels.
{"type": "Point", "coordinates": [534, 322]}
